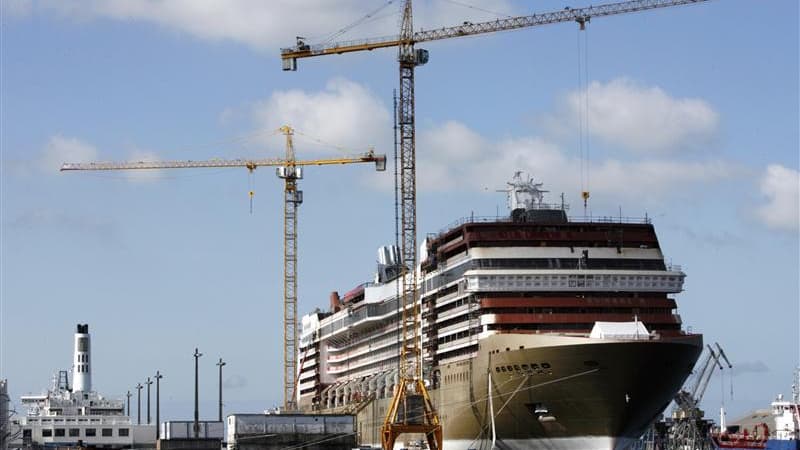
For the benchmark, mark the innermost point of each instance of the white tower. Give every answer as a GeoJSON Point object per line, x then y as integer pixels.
{"type": "Point", "coordinates": [82, 369]}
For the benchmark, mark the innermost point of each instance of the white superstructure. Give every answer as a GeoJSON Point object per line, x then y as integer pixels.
{"type": "Point", "coordinates": [787, 413]}
{"type": "Point", "coordinates": [74, 414]}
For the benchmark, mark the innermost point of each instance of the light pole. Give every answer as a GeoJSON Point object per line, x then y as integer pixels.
{"type": "Point", "coordinates": [220, 364]}
{"type": "Point", "coordinates": [197, 356]}
{"type": "Point", "coordinates": [138, 403]}
{"type": "Point", "coordinates": [158, 404]}
{"type": "Point", "coordinates": [129, 402]}
{"type": "Point", "coordinates": [148, 383]}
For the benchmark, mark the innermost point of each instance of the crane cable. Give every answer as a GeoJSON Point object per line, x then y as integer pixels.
{"type": "Point", "coordinates": [358, 22]}
{"type": "Point", "coordinates": [251, 188]}
{"type": "Point", "coordinates": [467, 5]}
{"type": "Point", "coordinates": [583, 114]}
{"type": "Point", "coordinates": [343, 150]}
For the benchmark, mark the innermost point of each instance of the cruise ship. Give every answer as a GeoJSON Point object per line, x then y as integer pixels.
{"type": "Point", "coordinates": [537, 331]}
{"type": "Point", "coordinates": [73, 415]}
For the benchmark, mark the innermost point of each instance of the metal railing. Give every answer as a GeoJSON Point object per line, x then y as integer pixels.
{"type": "Point", "coordinates": [572, 219]}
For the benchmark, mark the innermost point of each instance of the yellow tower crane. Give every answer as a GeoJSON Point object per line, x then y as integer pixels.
{"type": "Point", "coordinates": [411, 388]}
{"type": "Point", "coordinates": [290, 170]}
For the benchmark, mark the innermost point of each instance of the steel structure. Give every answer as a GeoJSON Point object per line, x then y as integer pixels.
{"type": "Point", "coordinates": [689, 428]}
{"type": "Point", "coordinates": [411, 384]}
{"type": "Point", "coordinates": [290, 170]}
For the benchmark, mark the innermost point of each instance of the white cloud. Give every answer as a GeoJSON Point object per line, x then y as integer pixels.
{"type": "Point", "coordinates": [143, 175]}
{"type": "Point", "coordinates": [657, 177]}
{"type": "Point", "coordinates": [16, 7]}
{"type": "Point", "coordinates": [638, 118]}
{"type": "Point", "coordinates": [482, 164]}
{"type": "Point", "coordinates": [453, 157]}
{"type": "Point", "coordinates": [781, 186]}
{"type": "Point", "coordinates": [345, 114]}
{"type": "Point", "coordinates": [60, 149]}
{"type": "Point", "coordinates": [268, 25]}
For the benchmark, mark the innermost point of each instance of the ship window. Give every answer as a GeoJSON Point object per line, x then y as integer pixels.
{"type": "Point", "coordinates": [74, 432]}
{"type": "Point", "coordinates": [502, 368]}
{"type": "Point", "coordinates": [60, 432]}
{"type": "Point", "coordinates": [123, 432]}
{"type": "Point", "coordinates": [497, 369]}
{"type": "Point", "coordinates": [510, 369]}
{"type": "Point", "coordinates": [108, 432]}
{"type": "Point", "coordinates": [90, 432]}
{"type": "Point", "coordinates": [83, 344]}
{"type": "Point", "coordinates": [47, 433]}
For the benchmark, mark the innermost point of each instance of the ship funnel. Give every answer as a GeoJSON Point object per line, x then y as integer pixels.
{"type": "Point", "coordinates": [388, 264]}
{"type": "Point", "coordinates": [336, 302]}
{"type": "Point", "coordinates": [388, 255]}
{"type": "Point", "coordinates": [82, 369]}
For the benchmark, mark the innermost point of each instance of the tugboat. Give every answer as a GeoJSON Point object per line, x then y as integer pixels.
{"type": "Point", "coordinates": [786, 435]}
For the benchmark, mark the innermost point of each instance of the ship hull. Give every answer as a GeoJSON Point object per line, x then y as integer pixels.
{"type": "Point", "coordinates": [551, 392]}
{"type": "Point", "coordinates": [772, 444]}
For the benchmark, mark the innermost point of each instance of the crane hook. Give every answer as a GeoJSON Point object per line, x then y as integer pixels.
{"type": "Point", "coordinates": [251, 191]}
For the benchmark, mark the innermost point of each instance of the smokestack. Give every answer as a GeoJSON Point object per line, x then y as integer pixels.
{"type": "Point", "coordinates": [336, 304]}
{"type": "Point", "coordinates": [82, 369]}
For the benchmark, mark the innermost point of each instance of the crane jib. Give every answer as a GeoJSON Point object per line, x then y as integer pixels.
{"type": "Point", "coordinates": [579, 15]}
{"type": "Point", "coordinates": [379, 160]}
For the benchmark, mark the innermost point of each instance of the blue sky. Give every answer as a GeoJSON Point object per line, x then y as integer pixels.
{"type": "Point", "coordinates": [693, 120]}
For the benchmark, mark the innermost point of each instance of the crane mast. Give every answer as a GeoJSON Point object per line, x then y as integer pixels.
{"type": "Point", "coordinates": [293, 197]}
{"type": "Point", "coordinates": [290, 170]}
{"type": "Point", "coordinates": [411, 385]}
